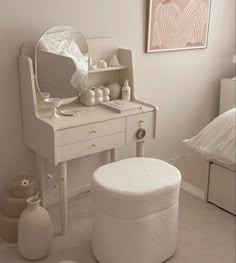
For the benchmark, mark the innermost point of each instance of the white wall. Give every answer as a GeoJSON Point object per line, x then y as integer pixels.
{"type": "Point", "coordinates": [185, 85]}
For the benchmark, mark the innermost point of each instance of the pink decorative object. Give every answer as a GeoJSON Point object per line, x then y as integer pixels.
{"type": "Point", "coordinates": [177, 24]}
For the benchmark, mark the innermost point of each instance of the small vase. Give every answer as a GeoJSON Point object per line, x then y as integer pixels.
{"type": "Point", "coordinates": [34, 231]}
{"type": "Point", "coordinates": [115, 90]}
{"type": "Point", "coordinates": [102, 64]}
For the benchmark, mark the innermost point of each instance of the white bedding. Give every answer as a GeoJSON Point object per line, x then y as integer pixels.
{"type": "Point", "coordinates": [217, 141]}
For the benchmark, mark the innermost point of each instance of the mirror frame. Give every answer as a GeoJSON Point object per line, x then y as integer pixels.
{"type": "Point", "coordinates": [56, 28]}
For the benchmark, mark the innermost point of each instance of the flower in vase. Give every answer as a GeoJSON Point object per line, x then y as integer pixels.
{"type": "Point", "coordinates": [25, 182]}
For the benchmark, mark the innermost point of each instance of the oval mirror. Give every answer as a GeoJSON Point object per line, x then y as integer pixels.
{"type": "Point", "coordinates": [61, 63]}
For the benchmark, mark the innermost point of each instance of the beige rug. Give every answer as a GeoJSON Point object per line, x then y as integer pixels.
{"type": "Point", "coordinates": [206, 235]}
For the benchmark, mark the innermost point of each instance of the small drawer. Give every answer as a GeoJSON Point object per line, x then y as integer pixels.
{"type": "Point", "coordinates": [72, 151]}
{"type": "Point", "coordinates": [90, 131]}
{"type": "Point", "coordinates": [146, 120]}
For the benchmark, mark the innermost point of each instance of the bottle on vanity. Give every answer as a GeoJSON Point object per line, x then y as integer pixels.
{"type": "Point", "coordinates": [126, 91]}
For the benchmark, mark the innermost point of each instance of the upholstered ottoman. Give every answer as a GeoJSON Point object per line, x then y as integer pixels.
{"type": "Point", "coordinates": [135, 211]}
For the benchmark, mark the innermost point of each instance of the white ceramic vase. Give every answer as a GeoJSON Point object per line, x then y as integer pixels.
{"type": "Point", "coordinates": [98, 96]}
{"type": "Point", "coordinates": [115, 90]}
{"type": "Point", "coordinates": [106, 94]}
{"type": "Point", "coordinates": [87, 97]}
{"type": "Point", "coordinates": [34, 231]}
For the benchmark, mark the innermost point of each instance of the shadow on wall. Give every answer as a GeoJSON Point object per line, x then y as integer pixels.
{"type": "Point", "coordinates": [16, 158]}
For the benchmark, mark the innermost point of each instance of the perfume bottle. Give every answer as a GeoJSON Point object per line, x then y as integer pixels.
{"type": "Point", "coordinates": [126, 91]}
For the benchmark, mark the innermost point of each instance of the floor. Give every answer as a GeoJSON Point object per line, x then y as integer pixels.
{"type": "Point", "coordinates": [206, 235]}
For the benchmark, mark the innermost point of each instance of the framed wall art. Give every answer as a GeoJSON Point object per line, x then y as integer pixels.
{"type": "Point", "coordinates": [177, 24]}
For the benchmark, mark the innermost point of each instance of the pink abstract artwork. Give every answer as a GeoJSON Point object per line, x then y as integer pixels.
{"type": "Point", "coordinates": [177, 24]}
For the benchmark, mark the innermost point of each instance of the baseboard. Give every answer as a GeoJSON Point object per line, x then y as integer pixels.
{"type": "Point", "coordinates": [176, 158]}
{"type": "Point", "coordinates": [192, 189]}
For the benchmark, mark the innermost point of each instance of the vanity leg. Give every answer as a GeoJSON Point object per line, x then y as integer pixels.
{"type": "Point", "coordinates": [140, 149]}
{"type": "Point", "coordinates": [107, 156]}
{"type": "Point", "coordinates": [63, 195]}
{"type": "Point", "coordinates": [113, 155]}
{"type": "Point", "coordinates": [40, 167]}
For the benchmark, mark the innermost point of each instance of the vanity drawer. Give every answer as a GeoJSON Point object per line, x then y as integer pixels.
{"type": "Point", "coordinates": [75, 150]}
{"type": "Point", "coordinates": [134, 123]}
{"type": "Point", "coordinates": [91, 131]}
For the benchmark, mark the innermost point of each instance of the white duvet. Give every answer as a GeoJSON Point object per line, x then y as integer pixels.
{"type": "Point", "coordinates": [217, 141]}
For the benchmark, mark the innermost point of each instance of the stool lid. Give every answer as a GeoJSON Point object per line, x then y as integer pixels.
{"type": "Point", "coordinates": [136, 177]}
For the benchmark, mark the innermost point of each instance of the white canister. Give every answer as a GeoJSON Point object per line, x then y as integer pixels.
{"type": "Point", "coordinates": [98, 95]}
{"type": "Point", "coordinates": [106, 94]}
{"type": "Point", "coordinates": [102, 64]}
{"type": "Point", "coordinates": [34, 231]}
{"type": "Point", "coordinates": [126, 91]}
{"type": "Point", "coordinates": [115, 90]}
{"type": "Point", "coordinates": [87, 97]}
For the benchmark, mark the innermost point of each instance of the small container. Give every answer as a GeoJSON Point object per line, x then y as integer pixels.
{"type": "Point", "coordinates": [126, 91]}
{"type": "Point", "coordinates": [98, 95]}
{"type": "Point", "coordinates": [92, 63]}
{"type": "Point", "coordinates": [102, 64]}
{"type": "Point", "coordinates": [115, 90]}
{"type": "Point", "coordinates": [87, 97]}
{"type": "Point", "coordinates": [106, 94]}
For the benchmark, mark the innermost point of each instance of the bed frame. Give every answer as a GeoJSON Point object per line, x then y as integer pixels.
{"type": "Point", "coordinates": [209, 180]}
{"type": "Point", "coordinates": [221, 179]}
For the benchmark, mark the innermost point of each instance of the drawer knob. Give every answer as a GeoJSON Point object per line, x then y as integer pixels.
{"type": "Point", "coordinates": [94, 131]}
{"type": "Point", "coordinates": [140, 133]}
{"type": "Point", "coordinates": [93, 145]}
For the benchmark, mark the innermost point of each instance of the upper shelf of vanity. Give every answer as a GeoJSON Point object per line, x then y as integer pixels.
{"type": "Point", "coordinates": [97, 70]}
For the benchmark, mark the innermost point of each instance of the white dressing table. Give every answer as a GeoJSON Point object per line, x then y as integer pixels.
{"type": "Point", "coordinates": [97, 128]}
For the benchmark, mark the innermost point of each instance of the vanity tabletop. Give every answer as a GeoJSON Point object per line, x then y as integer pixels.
{"type": "Point", "coordinates": [87, 115]}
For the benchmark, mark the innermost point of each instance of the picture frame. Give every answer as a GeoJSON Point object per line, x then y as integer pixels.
{"type": "Point", "coordinates": [177, 25]}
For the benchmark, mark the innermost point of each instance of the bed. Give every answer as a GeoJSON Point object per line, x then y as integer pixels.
{"type": "Point", "coordinates": [217, 171]}
{"type": "Point", "coordinates": [221, 184]}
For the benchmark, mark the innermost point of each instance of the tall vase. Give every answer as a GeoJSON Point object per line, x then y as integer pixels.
{"type": "Point", "coordinates": [34, 231]}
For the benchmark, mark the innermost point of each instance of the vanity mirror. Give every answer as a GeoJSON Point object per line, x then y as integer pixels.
{"type": "Point", "coordinates": [61, 63]}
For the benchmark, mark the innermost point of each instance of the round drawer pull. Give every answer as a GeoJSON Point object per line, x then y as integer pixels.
{"type": "Point", "coordinates": [94, 131]}
{"type": "Point", "coordinates": [140, 133]}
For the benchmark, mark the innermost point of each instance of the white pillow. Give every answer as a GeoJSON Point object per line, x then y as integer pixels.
{"type": "Point", "coordinates": [217, 140]}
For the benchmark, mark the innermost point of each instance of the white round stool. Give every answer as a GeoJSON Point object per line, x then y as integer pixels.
{"type": "Point", "coordinates": [135, 211]}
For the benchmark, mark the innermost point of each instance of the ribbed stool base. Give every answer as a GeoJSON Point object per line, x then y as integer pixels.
{"type": "Point", "coordinates": [150, 239]}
